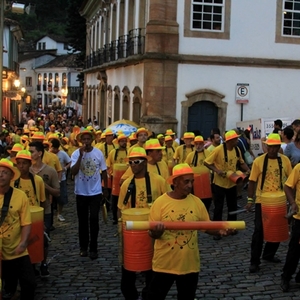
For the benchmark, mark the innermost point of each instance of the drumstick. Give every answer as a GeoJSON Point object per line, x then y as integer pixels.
{"type": "Point", "coordinates": [200, 225]}
{"type": "Point", "coordinates": [237, 211]}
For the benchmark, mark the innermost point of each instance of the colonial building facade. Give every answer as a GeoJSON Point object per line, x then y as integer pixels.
{"type": "Point", "coordinates": [179, 64]}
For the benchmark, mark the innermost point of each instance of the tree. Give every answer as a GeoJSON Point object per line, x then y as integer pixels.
{"type": "Point", "coordinates": [76, 29]}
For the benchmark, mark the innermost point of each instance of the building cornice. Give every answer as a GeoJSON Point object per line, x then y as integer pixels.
{"type": "Point", "coordinates": [201, 60]}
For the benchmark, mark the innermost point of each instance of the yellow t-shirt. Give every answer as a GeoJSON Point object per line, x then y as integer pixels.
{"type": "Point", "coordinates": [175, 144]}
{"type": "Point", "coordinates": [168, 155]}
{"type": "Point", "coordinates": [158, 187]}
{"type": "Point", "coordinates": [25, 185]}
{"type": "Point", "coordinates": [176, 251]}
{"type": "Point", "coordinates": [18, 215]}
{"type": "Point", "coordinates": [161, 168]}
{"type": "Point", "coordinates": [200, 161]}
{"type": "Point", "coordinates": [217, 158]}
{"type": "Point", "coordinates": [272, 180]}
{"type": "Point", "coordinates": [52, 160]}
{"type": "Point", "coordinates": [120, 159]}
{"type": "Point", "coordinates": [105, 148]}
{"type": "Point", "coordinates": [293, 182]}
{"type": "Point", "coordinates": [211, 148]}
{"type": "Point", "coordinates": [181, 153]}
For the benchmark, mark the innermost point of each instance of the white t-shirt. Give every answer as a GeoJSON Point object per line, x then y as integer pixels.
{"type": "Point", "coordinates": [64, 159]}
{"type": "Point", "coordinates": [88, 179]}
{"type": "Point", "coordinates": [31, 122]}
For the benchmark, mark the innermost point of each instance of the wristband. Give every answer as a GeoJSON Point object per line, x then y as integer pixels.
{"type": "Point", "coordinates": [250, 200]}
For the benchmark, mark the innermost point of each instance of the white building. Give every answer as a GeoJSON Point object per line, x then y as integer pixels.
{"type": "Point", "coordinates": [53, 42]}
{"type": "Point", "coordinates": [49, 72]}
{"type": "Point", "coordinates": [177, 64]}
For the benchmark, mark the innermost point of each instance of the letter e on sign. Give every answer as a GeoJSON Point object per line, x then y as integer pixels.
{"type": "Point", "coordinates": [242, 93]}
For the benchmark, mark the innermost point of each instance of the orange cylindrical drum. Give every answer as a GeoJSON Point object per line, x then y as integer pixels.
{"type": "Point", "coordinates": [275, 225]}
{"type": "Point", "coordinates": [118, 171]}
{"type": "Point", "coordinates": [36, 239]}
{"type": "Point", "coordinates": [137, 245]}
{"type": "Point", "coordinates": [202, 186]}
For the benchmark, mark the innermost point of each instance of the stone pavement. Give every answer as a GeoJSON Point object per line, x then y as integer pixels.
{"type": "Point", "coordinates": [224, 266]}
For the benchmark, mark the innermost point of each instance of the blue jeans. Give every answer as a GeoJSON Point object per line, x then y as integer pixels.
{"type": "Point", "coordinates": [88, 221]}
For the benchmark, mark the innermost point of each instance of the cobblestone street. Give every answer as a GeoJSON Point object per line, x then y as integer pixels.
{"type": "Point", "coordinates": [224, 266]}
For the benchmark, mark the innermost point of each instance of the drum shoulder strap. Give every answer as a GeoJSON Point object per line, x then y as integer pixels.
{"type": "Point", "coordinates": [237, 152]}
{"type": "Point", "coordinates": [5, 206]}
{"type": "Point", "coordinates": [264, 171]}
{"type": "Point", "coordinates": [130, 192]}
{"type": "Point", "coordinates": [31, 176]}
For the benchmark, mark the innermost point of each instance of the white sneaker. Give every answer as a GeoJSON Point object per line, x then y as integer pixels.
{"type": "Point", "coordinates": [61, 218]}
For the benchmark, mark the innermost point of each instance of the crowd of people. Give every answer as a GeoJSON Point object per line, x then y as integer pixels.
{"type": "Point", "coordinates": [154, 173]}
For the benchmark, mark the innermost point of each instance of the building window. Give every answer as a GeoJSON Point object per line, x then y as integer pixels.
{"type": "Point", "coordinates": [288, 22]}
{"type": "Point", "coordinates": [28, 81]}
{"type": "Point", "coordinates": [207, 15]}
{"type": "Point", "coordinates": [291, 18]}
{"type": "Point", "coordinates": [41, 46]}
{"type": "Point", "coordinates": [207, 18]}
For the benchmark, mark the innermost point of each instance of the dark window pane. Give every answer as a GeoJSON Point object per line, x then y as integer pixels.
{"type": "Point", "coordinates": [207, 1]}
{"type": "Point", "coordinates": [287, 23]}
{"type": "Point", "coordinates": [296, 16]}
{"type": "Point", "coordinates": [296, 32]}
{"type": "Point", "coordinates": [206, 25]}
{"type": "Point", "coordinates": [217, 26]}
{"type": "Point", "coordinates": [198, 8]}
{"type": "Point", "coordinates": [207, 17]}
{"type": "Point", "coordinates": [288, 15]}
{"type": "Point", "coordinates": [286, 31]}
{"type": "Point", "coordinates": [207, 8]}
{"type": "Point", "coordinates": [217, 18]}
{"type": "Point", "coordinates": [218, 1]}
{"type": "Point", "coordinates": [288, 5]}
{"type": "Point", "coordinates": [196, 24]}
{"type": "Point", "coordinates": [218, 9]}
{"type": "Point", "coordinates": [297, 6]}
{"type": "Point", "coordinates": [296, 24]}
{"type": "Point", "coordinates": [197, 17]}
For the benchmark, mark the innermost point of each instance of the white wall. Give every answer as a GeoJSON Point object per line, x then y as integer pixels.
{"type": "Point", "coordinates": [252, 33]}
{"type": "Point", "coordinates": [130, 76]}
{"type": "Point", "coordinates": [273, 92]}
{"type": "Point", "coordinates": [51, 44]}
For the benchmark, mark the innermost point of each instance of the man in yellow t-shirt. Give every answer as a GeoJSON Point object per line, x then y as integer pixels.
{"type": "Point", "coordinates": [142, 135]}
{"type": "Point", "coordinates": [117, 158]}
{"type": "Point", "coordinates": [156, 164]}
{"type": "Point", "coordinates": [15, 231]}
{"type": "Point", "coordinates": [168, 153]}
{"type": "Point", "coordinates": [275, 168]}
{"type": "Point", "coordinates": [291, 186]}
{"type": "Point", "coordinates": [222, 161]}
{"type": "Point", "coordinates": [135, 193]}
{"type": "Point", "coordinates": [172, 134]}
{"type": "Point", "coordinates": [215, 142]}
{"type": "Point", "coordinates": [176, 254]}
{"type": "Point", "coordinates": [195, 160]}
{"type": "Point", "coordinates": [182, 151]}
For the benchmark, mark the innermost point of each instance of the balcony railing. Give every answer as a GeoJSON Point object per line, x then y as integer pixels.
{"type": "Point", "coordinates": [127, 45]}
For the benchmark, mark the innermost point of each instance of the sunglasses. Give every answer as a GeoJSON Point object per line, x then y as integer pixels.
{"type": "Point", "coordinates": [136, 162]}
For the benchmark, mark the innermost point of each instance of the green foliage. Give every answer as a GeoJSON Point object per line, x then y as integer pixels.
{"type": "Point", "coordinates": [48, 17]}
